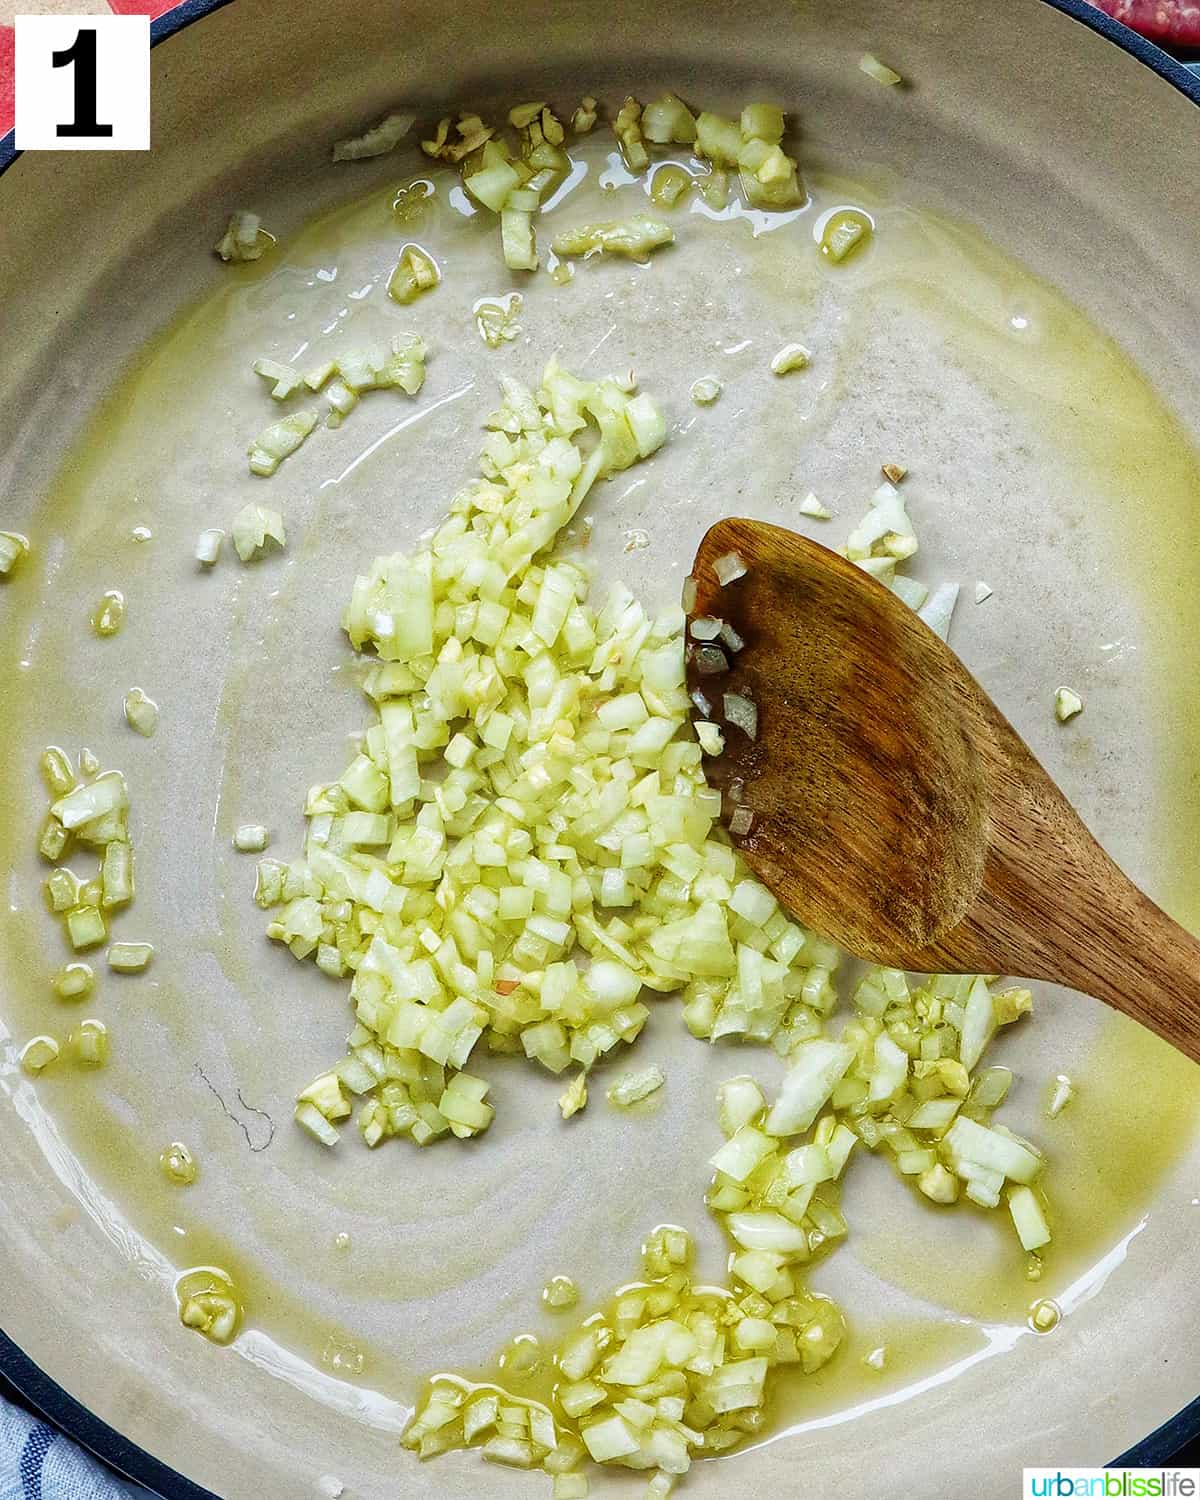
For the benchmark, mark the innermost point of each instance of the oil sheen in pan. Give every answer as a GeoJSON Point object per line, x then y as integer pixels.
{"type": "Point", "coordinates": [1019, 345]}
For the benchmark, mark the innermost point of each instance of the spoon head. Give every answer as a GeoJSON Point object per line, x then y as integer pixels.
{"type": "Point", "coordinates": [867, 793]}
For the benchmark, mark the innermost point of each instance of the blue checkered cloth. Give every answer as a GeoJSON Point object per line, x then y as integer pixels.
{"type": "Point", "coordinates": [38, 1463]}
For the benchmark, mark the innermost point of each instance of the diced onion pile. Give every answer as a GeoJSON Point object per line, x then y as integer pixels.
{"type": "Point", "coordinates": [398, 365]}
{"type": "Point", "coordinates": [529, 789]}
{"type": "Point", "coordinates": [670, 1371]}
{"type": "Point", "coordinates": [514, 169]}
{"type": "Point", "coordinates": [88, 815]}
{"type": "Point", "coordinates": [525, 844]}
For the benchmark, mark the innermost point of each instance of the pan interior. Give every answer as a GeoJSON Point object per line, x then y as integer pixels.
{"type": "Point", "coordinates": [1041, 461]}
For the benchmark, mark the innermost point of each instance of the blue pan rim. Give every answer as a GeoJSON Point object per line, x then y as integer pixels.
{"type": "Point", "coordinates": [118, 1452]}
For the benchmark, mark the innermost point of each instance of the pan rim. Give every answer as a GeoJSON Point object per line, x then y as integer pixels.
{"type": "Point", "coordinates": [71, 1417]}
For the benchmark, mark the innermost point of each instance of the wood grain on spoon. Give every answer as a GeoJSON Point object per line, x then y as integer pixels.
{"type": "Point", "coordinates": [895, 809]}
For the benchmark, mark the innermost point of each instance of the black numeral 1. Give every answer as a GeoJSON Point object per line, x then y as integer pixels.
{"type": "Point", "coordinates": [82, 52]}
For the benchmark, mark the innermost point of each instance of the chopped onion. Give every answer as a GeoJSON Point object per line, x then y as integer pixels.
{"type": "Point", "coordinates": [741, 711]}
{"type": "Point", "coordinates": [416, 272]}
{"type": "Point", "coordinates": [1028, 1219]}
{"type": "Point", "coordinates": [628, 130]}
{"type": "Point", "coordinates": [209, 1303]}
{"type": "Point", "coordinates": [845, 232]}
{"type": "Point", "coordinates": [816, 1068]}
{"type": "Point", "coordinates": [668, 121]}
{"type": "Point", "coordinates": [585, 116]}
{"type": "Point", "coordinates": [380, 139]}
{"type": "Point", "coordinates": [208, 546]}
{"type": "Point", "coordinates": [254, 527]}
{"type": "Point", "coordinates": [873, 68]}
{"type": "Point", "coordinates": [939, 608]}
{"type": "Point", "coordinates": [284, 379]}
{"type": "Point", "coordinates": [109, 614]}
{"type": "Point", "coordinates": [130, 958]}
{"type": "Point", "coordinates": [244, 238]}
{"type": "Point", "coordinates": [496, 319]}
{"type": "Point", "coordinates": [636, 237]}
{"type": "Point", "coordinates": [38, 1053]}
{"type": "Point", "coordinates": [141, 712]}
{"type": "Point", "coordinates": [633, 1087]}
{"type": "Point", "coordinates": [712, 741]}
{"type": "Point", "coordinates": [668, 185]}
{"type": "Point", "coordinates": [560, 1292]}
{"type": "Point", "coordinates": [741, 821]}
{"type": "Point", "coordinates": [688, 599]}
{"type": "Point", "coordinates": [706, 390]}
{"type": "Point", "coordinates": [710, 660]}
{"type": "Point", "coordinates": [250, 838]}
{"type": "Point", "coordinates": [790, 357]}
{"type": "Point", "coordinates": [730, 638]}
{"type": "Point", "coordinates": [1067, 703]}
{"type": "Point", "coordinates": [13, 547]}
{"type": "Point", "coordinates": [1064, 1092]}
{"type": "Point", "coordinates": [982, 591]}
{"type": "Point", "coordinates": [89, 1043]}
{"type": "Point", "coordinates": [74, 981]}
{"type": "Point", "coordinates": [274, 444]}
{"type": "Point", "coordinates": [178, 1164]}
{"type": "Point", "coordinates": [811, 506]}
{"type": "Point", "coordinates": [704, 628]}
{"type": "Point", "coordinates": [729, 567]}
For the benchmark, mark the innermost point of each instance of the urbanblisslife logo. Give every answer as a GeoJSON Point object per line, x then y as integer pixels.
{"type": "Point", "coordinates": [1112, 1484]}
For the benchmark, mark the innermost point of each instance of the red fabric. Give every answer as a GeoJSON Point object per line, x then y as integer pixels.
{"type": "Point", "coordinates": [8, 47]}
{"type": "Point", "coordinates": [149, 8]}
{"type": "Point", "coordinates": [1175, 23]}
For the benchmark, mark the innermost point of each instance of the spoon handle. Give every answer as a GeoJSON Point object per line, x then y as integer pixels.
{"type": "Point", "coordinates": [1084, 924]}
{"type": "Point", "coordinates": [1139, 960]}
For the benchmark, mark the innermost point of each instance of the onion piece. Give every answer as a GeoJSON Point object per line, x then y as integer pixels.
{"type": "Point", "coordinates": [633, 1087]}
{"type": "Point", "coordinates": [790, 357]}
{"type": "Point", "coordinates": [635, 237]}
{"type": "Point", "coordinates": [870, 65]}
{"type": "Point", "coordinates": [208, 546]}
{"type": "Point", "coordinates": [741, 821]}
{"type": "Point", "coordinates": [381, 138]}
{"type": "Point", "coordinates": [1067, 703]}
{"type": "Point", "coordinates": [705, 628]}
{"type": "Point", "coordinates": [706, 390]}
{"type": "Point", "coordinates": [13, 547]}
{"type": "Point", "coordinates": [141, 712]}
{"type": "Point", "coordinates": [710, 661]}
{"type": "Point", "coordinates": [729, 567]}
{"type": "Point", "coordinates": [38, 1053]}
{"type": "Point", "coordinates": [250, 838]}
{"type": "Point", "coordinates": [130, 958]}
{"type": "Point", "coordinates": [740, 711]}
{"type": "Point", "coordinates": [244, 238]}
{"type": "Point", "coordinates": [938, 610]}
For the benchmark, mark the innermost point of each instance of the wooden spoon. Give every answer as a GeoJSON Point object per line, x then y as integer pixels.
{"type": "Point", "coordinates": [895, 809]}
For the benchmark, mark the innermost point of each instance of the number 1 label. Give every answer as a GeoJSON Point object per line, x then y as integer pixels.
{"type": "Point", "coordinates": [82, 83]}
{"type": "Point", "coordinates": [81, 55]}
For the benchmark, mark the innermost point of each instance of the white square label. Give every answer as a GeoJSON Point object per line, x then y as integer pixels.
{"type": "Point", "coordinates": [83, 83]}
